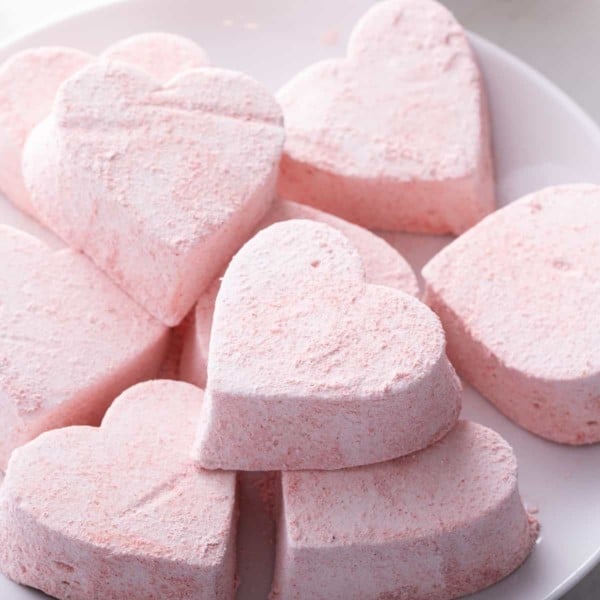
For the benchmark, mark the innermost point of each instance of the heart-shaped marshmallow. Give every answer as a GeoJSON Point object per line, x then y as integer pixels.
{"type": "Point", "coordinates": [28, 84]}
{"type": "Point", "coordinates": [121, 511]}
{"type": "Point", "coordinates": [30, 79]}
{"type": "Point", "coordinates": [161, 55]}
{"type": "Point", "coordinates": [311, 367]}
{"type": "Point", "coordinates": [383, 266]}
{"type": "Point", "coordinates": [70, 340]}
{"type": "Point", "coordinates": [396, 135]}
{"type": "Point", "coordinates": [159, 185]}
{"type": "Point", "coordinates": [436, 525]}
{"type": "Point", "coordinates": [519, 297]}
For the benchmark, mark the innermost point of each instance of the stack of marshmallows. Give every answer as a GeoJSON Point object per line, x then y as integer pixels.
{"type": "Point", "coordinates": [241, 331]}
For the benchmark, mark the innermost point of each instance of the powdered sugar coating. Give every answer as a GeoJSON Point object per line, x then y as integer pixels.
{"type": "Point", "coordinates": [519, 298]}
{"type": "Point", "coordinates": [161, 55]}
{"type": "Point", "coordinates": [420, 160]}
{"type": "Point", "coordinates": [70, 340]}
{"type": "Point", "coordinates": [383, 266]}
{"type": "Point", "coordinates": [159, 185]}
{"type": "Point", "coordinates": [28, 84]}
{"type": "Point", "coordinates": [435, 525]}
{"type": "Point", "coordinates": [30, 79]}
{"type": "Point", "coordinates": [311, 367]}
{"type": "Point", "coordinates": [120, 511]}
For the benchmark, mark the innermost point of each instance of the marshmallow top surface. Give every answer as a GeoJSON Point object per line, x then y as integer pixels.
{"type": "Point", "coordinates": [525, 282]}
{"type": "Point", "coordinates": [132, 479]}
{"type": "Point", "coordinates": [382, 263]}
{"type": "Point", "coordinates": [465, 475]}
{"type": "Point", "coordinates": [63, 325]}
{"type": "Point", "coordinates": [168, 155]}
{"type": "Point", "coordinates": [368, 340]}
{"type": "Point", "coordinates": [161, 55]}
{"type": "Point", "coordinates": [413, 61]}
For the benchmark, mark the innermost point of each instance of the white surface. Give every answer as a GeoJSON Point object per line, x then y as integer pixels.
{"type": "Point", "coordinates": [540, 138]}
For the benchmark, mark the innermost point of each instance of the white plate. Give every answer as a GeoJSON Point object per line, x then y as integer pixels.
{"type": "Point", "coordinates": [540, 137]}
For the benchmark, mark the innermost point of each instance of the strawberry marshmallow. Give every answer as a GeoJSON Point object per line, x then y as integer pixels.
{"type": "Point", "coordinates": [383, 266]}
{"type": "Point", "coordinates": [161, 55]}
{"type": "Point", "coordinates": [435, 525]}
{"type": "Point", "coordinates": [396, 135]}
{"type": "Point", "coordinates": [159, 185]}
{"type": "Point", "coordinates": [70, 340]}
{"type": "Point", "coordinates": [30, 79]}
{"type": "Point", "coordinates": [519, 298]}
{"type": "Point", "coordinates": [28, 84]}
{"type": "Point", "coordinates": [311, 367]}
{"type": "Point", "coordinates": [121, 511]}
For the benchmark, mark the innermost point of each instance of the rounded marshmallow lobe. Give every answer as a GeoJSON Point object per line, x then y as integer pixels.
{"type": "Point", "coordinates": [161, 55]}
{"type": "Point", "coordinates": [70, 340]}
{"type": "Point", "coordinates": [519, 297]}
{"type": "Point", "coordinates": [30, 79]}
{"type": "Point", "coordinates": [418, 162]}
{"type": "Point", "coordinates": [28, 84]}
{"type": "Point", "coordinates": [309, 366]}
{"type": "Point", "coordinates": [383, 266]}
{"type": "Point", "coordinates": [121, 511]}
{"type": "Point", "coordinates": [436, 525]}
{"type": "Point", "coordinates": [158, 185]}
{"type": "Point", "coordinates": [196, 337]}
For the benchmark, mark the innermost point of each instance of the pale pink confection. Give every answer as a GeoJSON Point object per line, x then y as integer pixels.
{"type": "Point", "coordinates": [383, 266]}
{"type": "Point", "coordinates": [519, 299]}
{"type": "Point", "coordinates": [29, 81]}
{"type": "Point", "coordinates": [121, 512]}
{"type": "Point", "coordinates": [395, 136]}
{"type": "Point", "coordinates": [161, 55]}
{"type": "Point", "coordinates": [435, 525]}
{"type": "Point", "coordinates": [311, 367]}
{"type": "Point", "coordinates": [159, 185]}
{"type": "Point", "coordinates": [70, 340]}
{"type": "Point", "coordinates": [28, 84]}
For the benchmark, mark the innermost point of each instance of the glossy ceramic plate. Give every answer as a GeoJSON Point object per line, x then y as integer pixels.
{"type": "Point", "coordinates": [540, 138]}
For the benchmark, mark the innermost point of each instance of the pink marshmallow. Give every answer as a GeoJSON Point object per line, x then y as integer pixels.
{"type": "Point", "coordinates": [311, 367]}
{"type": "Point", "coordinates": [159, 185]}
{"type": "Point", "coordinates": [518, 296]}
{"type": "Point", "coordinates": [395, 136]}
{"type": "Point", "coordinates": [121, 512]}
{"type": "Point", "coordinates": [436, 525]}
{"type": "Point", "coordinates": [383, 266]}
{"type": "Point", "coordinates": [28, 84]}
{"type": "Point", "coordinates": [30, 79]}
{"type": "Point", "coordinates": [161, 55]}
{"type": "Point", "coordinates": [70, 340]}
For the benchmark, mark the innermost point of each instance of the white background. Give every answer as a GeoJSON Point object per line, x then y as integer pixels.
{"type": "Point", "coordinates": [561, 38]}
